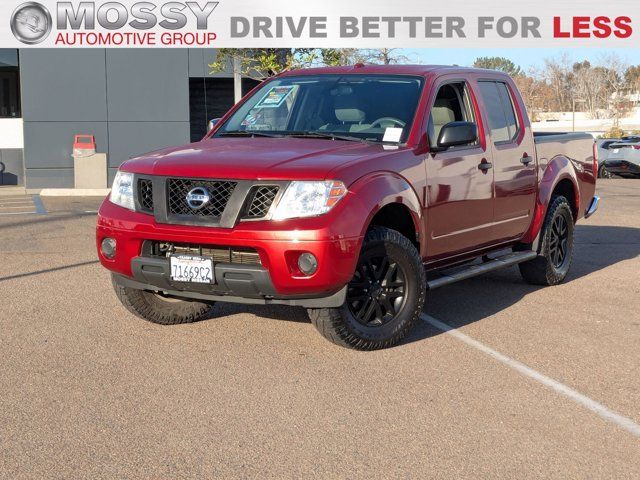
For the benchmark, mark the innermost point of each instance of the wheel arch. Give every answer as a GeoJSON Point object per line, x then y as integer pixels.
{"type": "Point", "coordinates": [558, 177]}
{"type": "Point", "coordinates": [390, 202]}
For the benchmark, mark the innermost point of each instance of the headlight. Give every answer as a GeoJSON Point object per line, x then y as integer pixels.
{"type": "Point", "coordinates": [122, 190]}
{"type": "Point", "coordinates": [307, 199]}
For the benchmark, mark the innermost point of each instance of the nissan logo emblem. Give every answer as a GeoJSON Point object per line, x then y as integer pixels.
{"type": "Point", "coordinates": [198, 198]}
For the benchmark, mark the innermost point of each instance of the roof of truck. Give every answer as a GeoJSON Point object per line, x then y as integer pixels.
{"type": "Point", "coordinates": [390, 69]}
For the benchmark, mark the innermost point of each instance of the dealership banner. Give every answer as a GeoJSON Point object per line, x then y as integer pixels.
{"type": "Point", "coordinates": [328, 23]}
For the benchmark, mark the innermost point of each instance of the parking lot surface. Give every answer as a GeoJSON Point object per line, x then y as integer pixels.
{"type": "Point", "coordinates": [89, 391]}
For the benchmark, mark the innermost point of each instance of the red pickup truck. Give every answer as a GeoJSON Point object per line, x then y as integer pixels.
{"type": "Point", "coordinates": [350, 191]}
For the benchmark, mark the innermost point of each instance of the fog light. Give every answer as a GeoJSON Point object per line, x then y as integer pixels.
{"type": "Point", "coordinates": [108, 247]}
{"type": "Point", "coordinates": [307, 263]}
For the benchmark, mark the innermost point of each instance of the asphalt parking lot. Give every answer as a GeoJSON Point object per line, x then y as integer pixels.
{"type": "Point", "coordinates": [530, 383]}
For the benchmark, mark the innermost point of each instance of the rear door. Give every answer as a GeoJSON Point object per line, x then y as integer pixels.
{"type": "Point", "coordinates": [459, 194]}
{"type": "Point", "coordinates": [514, 164]}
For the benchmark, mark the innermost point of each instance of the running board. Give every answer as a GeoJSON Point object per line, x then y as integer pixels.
{"type": "Point", "coordinates": [474, 270]}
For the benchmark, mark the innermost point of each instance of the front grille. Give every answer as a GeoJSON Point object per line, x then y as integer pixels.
{"type": "Point", "coordinates": [235, 255]}
{"type": "Point", "coordinates": [219, 193]}
{"type": "Point", "coordinates": [145, 195]}
{"type": "Point", "coordinates": [261, 200]}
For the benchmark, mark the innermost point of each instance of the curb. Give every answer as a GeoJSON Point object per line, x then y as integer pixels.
{"type": "Point", "coordinates": [74, 192]}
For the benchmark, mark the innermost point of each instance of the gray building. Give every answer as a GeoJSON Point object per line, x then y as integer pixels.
{"type": "Point", "coordinates": [132, 100]}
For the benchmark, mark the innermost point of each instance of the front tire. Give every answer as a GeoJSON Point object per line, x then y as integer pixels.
{"type": "Point", "coordinates": [160, 309]}
{"type": "Point", "coordinates": [552, 264]}
{"type": "Point", "coordinates": [384, 298]}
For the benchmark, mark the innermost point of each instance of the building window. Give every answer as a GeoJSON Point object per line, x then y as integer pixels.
{"type": "Point", "coordinates": [9, 84]}
{"type": "Point", "coordinates": [211, 98]}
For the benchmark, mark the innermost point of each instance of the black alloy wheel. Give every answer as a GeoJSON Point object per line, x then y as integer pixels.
{"type": "Point", "coordinates": [558, 239]}
{"type": "Point", "coordinates": [384, 298]}
{"type": "Point", "coordinates": [377, 292]}
{"type": "Point", "coordinates": [552, 264]}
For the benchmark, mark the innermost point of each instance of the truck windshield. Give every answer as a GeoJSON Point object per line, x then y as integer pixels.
{"type": "Point", "coordinates": [377, 108]}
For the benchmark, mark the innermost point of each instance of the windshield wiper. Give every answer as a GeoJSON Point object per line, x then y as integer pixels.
{"type": "Point", "coordinates": [327, 135]}
{"type": "Point", "coordinates": [244, 133]}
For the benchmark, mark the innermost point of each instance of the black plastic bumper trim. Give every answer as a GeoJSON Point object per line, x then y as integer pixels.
{"type": "Point", "coordinates": [233, 283]}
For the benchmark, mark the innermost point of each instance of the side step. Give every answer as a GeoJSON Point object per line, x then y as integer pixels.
{"type": "Point", "coordinates": [503, 261]}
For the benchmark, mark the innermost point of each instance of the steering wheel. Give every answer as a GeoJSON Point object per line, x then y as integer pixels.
{"type": "Point", "coordinates": [392, 120]}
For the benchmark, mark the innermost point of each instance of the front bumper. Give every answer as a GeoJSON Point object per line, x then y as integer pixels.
{"type": "Point", "coordinates": [234, 284]}
{"type": "Point", "coordinates": [274, 281]}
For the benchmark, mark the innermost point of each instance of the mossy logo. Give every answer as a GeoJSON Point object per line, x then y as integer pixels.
{"type": "Point", "coordinates": [31, 23]}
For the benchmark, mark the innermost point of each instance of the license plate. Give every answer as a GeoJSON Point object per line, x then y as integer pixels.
{"type": "Point", "coordinates": [616, 150]}
{"type": "Point", "coordinates": [191, 269]}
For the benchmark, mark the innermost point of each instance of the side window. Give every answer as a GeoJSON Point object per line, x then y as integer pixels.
{"type": "Point", "coordinates": [452, 104]}
{"type": "Point", "coordinates": [502, 117]}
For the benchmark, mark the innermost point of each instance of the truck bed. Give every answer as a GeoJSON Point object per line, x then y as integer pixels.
{"type": "Point", "coordinates": [577, 147]}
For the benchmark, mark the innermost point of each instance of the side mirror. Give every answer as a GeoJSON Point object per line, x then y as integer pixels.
{"type": "Point", "coordinates": [454, 134]}
{"type": "Point", "coordinates": [212, 123]}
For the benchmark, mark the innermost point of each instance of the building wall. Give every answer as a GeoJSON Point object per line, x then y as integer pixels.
{"type": "Point", "coordinates": [132, 100]}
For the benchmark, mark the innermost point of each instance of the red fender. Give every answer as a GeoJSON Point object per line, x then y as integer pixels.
{"type": "Point", "coordinates": [380, 189]}
{"type": "Point", "coordinates": [558, 169]}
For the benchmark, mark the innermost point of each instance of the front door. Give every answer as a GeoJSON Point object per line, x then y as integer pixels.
{"type": "Point", "coordinates": [459, 194]}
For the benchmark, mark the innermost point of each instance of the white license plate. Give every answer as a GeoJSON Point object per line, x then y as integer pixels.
{"type": "Point", "coordinates": [192, 269]}
{"type": "Point", "coordinates": [616, 150]}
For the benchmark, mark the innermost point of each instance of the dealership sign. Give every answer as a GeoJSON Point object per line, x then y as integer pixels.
{"type": "Point", "coordinates": [331, 23]}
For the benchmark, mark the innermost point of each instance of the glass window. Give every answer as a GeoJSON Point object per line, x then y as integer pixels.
{"type": "Point", "coordinates": [370, 107]}
{"type": "Point", "coordinates": [452, 104]}
{"type": "Point", "coordinates": [502, 117]}
{"type": "Point", "coordinates": [9, 84]}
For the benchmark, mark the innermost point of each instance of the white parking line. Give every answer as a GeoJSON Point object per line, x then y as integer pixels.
{"type": "Point", "coordinates": [599, 409]}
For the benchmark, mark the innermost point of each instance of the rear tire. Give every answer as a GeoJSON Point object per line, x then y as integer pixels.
{"type": "Point", "coordinates": [384, 298]}
{"type": "Point", "coordinates": [552, 264]}
{"type": "Point", "coordinates": [158, 309]}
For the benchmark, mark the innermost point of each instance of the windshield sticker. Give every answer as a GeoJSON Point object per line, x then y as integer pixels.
{"type": "Point", "coordinates": [251, 119]}
{"type": "Point", "coordinates": [392, 134]}
{"type": "Point", "coordinates": [259, 127]}
{"type": "Point", "coordinates": [276, 96]}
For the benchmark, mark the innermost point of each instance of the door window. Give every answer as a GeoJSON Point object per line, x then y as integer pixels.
{"type": "Point", "coordinates": [452, 104]}
{"type": "Point", "coordinates": [499, 106]}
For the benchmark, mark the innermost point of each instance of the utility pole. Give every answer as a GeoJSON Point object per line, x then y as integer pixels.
{"type": "Point", "coordinates": [575, 100]}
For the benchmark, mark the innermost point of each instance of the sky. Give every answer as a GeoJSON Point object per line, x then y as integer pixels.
{"type": "Point", "coordinates": [524, 57]}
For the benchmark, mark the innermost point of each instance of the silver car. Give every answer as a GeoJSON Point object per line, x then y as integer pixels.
{"type": "Point", "coordinates": [623, 159]}
{"type": "Point", "coordinates": [603, 145]}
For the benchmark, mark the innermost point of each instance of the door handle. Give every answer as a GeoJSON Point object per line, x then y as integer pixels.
{"type": "Point", "coordinates": [526, 160]}
{"type": "Point", "coordinates": [484, 165]}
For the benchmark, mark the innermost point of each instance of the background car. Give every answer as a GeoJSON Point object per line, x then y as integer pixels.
{"type": "Point", "coordinates": [603, 153]}
{"type": "Point", "coordinates": [623, 159]}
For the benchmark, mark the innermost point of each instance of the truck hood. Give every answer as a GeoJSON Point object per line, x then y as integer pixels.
{"type": "Point", "coordinates": [255, 158]}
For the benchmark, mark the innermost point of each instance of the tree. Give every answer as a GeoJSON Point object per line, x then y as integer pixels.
{"type": "Point", "coordinates": [498, 63]}
{"type": "Point", "coordinates": [557, 74]}
{"type": "Point", "coordinates": [589, 87]}
{"type": "Point", "coordinates": [335, 57]}
{"type": "Point", "coordinates": [384, 56]}
{"type": "Point", "coordinates": [632, 77]}
{"type": "Point", "coordinates": [618, 103]}
{"type": "Point", "coordinates": [260, 63]}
